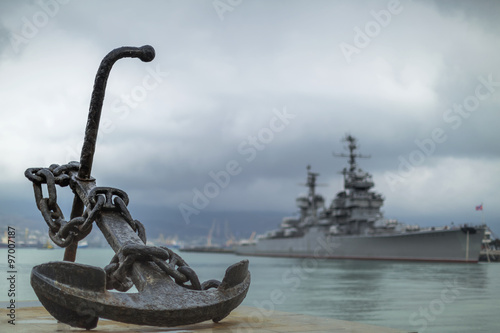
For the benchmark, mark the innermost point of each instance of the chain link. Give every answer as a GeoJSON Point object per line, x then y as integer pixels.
{"type": "Point", "coordinates": [117, 200]}
{"type": "Point", "coordinates": [134, 224]}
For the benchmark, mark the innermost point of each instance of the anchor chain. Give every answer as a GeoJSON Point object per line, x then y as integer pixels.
{"type": "Point", "coordinates": [117, 272]}
{"type": "Point", "coordinates": [61, 232]}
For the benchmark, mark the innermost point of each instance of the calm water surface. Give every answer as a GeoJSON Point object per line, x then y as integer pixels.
{"type": "Point", "coordinates": [424, 297]}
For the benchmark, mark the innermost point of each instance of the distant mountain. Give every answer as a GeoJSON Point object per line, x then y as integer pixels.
{"type": "Point", "coordinates": [240, 224]}
{"type": "Point", "coordinates": [169, 222]}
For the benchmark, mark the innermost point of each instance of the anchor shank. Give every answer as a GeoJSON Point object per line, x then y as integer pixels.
{"type": "Point", "coordinates": [118, 233]}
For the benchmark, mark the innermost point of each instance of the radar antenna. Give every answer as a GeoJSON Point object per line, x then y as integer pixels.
{"type": "Point", "coordinates": [352, 146]}
{"type": "Point", "coordinates": [311, 184]}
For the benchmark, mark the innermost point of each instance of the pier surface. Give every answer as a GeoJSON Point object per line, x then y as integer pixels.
{"type": "Point", "coordinates": [242, 320]}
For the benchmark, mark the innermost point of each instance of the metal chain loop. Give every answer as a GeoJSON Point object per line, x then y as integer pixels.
{"type": "Point", "coordinates": [60, 173]}
{"type": "Point", "coordinates": [90, 214]}
{"type": "Point", "coordinates": [168, 261]}
{"type": "Point", "coordinates": [134, 224]}
{"type": "Point", "coordinates": [49, 208]}
{"type": "Point", "coordinates": [52, 216]}
{"type": "Point", "coordinates": [117, 200]}
{"type": "Point", "coordinates": [77, 228]}
{"type": "Point", "coordinates": [108, 193]}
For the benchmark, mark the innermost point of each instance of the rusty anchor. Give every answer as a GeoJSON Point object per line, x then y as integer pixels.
{"type": "Point", "coordinates": [169, 291]}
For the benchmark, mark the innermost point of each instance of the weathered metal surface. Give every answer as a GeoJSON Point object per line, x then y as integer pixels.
{"type": "Point", "coordinates": [145, 53]}
{"type": "Point", "coordinates": [75, 294]}
{"type": "Point", "coordinates": [169, 292]}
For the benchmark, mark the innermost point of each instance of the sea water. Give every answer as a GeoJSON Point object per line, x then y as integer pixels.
{"type": "Point", "coordinates": [423, 297]}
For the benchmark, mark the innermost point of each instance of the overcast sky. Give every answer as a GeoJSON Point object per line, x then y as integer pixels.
{"type": "Point", "coordinates": [259, 89]}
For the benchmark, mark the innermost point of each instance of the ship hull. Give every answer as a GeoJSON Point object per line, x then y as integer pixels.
{"type": "Point", "coordinates": [455, 245]}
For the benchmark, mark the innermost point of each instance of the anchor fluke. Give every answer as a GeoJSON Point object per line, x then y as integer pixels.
{"type": "Point", "coordinates": [235, 274]}
{"type": "Point", "coordinates": [76, 294]}
{"type": "Point", "coordinates": [50, 281]}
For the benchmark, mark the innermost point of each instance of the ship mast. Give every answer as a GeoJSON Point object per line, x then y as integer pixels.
{"type": "Point", "coordinates": [352, 146]}
{"type": "Point", "coordinates": [311, 184]}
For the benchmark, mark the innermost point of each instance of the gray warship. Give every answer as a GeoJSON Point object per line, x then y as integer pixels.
{"type": "Point", "coordinates": [353, 227]}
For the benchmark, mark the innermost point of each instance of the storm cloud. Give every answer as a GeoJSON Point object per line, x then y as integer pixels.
{"type": "Point", "coordinates": [417, 82]}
